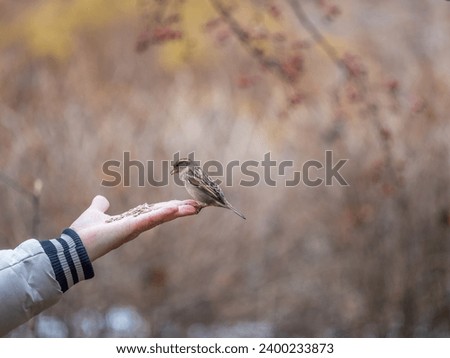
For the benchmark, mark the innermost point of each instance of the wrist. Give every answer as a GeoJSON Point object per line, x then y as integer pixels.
{"type": "Point", "coordinates": [69, 259]}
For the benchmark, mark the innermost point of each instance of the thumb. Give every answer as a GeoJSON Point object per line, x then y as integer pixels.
{"type": "Point", "coordinates": [100, 203]}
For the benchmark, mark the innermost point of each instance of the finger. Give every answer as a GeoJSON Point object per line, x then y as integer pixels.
{"type": "Point", "coordinates": [100, 203]}
{"type": "Point", "coordinates": [182, 208]}
{"type": "Point", "coordinates": [191, 202]}
{"type": "Point", "coordinates": [185, 210]}
{"type": "Point", "coordinates": [155, 217]}
{"type": "Point", "coordinates": [167, 204]}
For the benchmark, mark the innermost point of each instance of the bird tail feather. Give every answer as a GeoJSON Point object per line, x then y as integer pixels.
{"type": "Point", "coordinates": [236, 212]}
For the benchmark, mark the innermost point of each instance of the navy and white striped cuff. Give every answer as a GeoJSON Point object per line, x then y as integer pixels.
{"type": "Point", "coordinates": [69, 259]}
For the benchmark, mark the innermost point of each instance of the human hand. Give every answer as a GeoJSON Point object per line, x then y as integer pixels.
{"type": "Point", "coordinates": [100, 234]}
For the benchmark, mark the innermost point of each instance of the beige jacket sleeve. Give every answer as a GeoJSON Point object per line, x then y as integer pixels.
{"type": "Point", "coordinates": [35, 274]}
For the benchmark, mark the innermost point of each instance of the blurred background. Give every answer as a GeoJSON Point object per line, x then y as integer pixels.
{"type": "Point", "coordinates": [83, 81]}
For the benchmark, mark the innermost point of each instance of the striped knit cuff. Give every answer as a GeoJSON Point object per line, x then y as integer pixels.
{"type": "Point", "coordinates": [69, 259]}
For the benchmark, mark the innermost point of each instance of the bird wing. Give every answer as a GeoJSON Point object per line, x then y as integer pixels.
{"type": "Point", "coordinates": [204, 183]}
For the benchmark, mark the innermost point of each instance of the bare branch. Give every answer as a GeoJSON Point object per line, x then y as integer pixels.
{"type": "Point", "coordinates": [243, 37]}
{"type": "Point", "coordinates": [316, 34]}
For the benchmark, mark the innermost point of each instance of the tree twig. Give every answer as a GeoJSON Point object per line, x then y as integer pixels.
{"type": "Point", "coordinates": [316, 34]}
{"type": "Point", "coordinates": [243, 38]}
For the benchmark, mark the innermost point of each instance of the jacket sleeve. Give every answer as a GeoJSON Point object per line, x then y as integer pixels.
{"type": "Point", "coordinates": [35, 274]}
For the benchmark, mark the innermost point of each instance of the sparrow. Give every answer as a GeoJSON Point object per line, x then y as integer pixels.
{"type": "Point", "coordinates": [200, 185]}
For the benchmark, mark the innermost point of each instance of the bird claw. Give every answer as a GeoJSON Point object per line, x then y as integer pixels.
{"type": "Point", "coordinates": [199, 206]}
